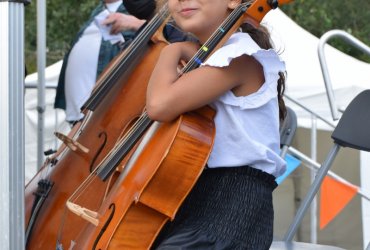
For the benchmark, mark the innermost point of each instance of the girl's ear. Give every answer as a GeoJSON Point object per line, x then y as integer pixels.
{"type": "Point", "coordinates": [234, 3]}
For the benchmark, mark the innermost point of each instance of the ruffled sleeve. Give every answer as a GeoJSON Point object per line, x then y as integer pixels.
{"type": "Point", "coordinates": [238, 45]}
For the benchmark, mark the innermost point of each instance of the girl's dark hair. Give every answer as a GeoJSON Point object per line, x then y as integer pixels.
{"type": "Point", "coordinates": [262, 37]}
{"type": "Point", "coordinates": [142, 9]}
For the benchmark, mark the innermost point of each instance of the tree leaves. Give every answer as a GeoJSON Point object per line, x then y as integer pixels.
{"type": "Point", "coordinates": [64, 18]}
{"type": "Point", "coordinates": [319, 17]}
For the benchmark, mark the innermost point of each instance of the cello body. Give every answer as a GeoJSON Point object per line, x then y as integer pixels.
{"type": "Point", "coordinates": [150, 188]}
{"type": "Point", "coordinates": [98, 133]}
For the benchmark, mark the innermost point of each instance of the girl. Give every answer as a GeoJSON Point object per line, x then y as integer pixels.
{"type": "Point", "coordinates": [230, 206]}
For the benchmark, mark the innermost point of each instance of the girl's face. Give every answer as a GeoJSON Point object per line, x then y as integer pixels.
{"type": "Point", "coordinates": [201, 17]}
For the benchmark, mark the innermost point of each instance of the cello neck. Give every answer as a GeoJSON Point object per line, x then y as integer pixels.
{"type": "Point", "coordinates": [125, 60]}
{"type": "Point", "coordinates": [251, 12]}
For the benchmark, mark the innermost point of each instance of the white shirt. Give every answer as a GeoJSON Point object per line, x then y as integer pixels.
{"type": "Point", "coordinates": [247, 127]}
{"type": "Point", "coordinates": [80, 76]}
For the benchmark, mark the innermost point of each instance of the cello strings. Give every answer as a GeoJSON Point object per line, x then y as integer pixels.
{"type": "Point", "coordinates": [108, 158]}
{"type": "Point", "coordinates": [142, 36]}
{"type": "Point", "coordinates": [121, 142]}
{"type": "Point", "coordinates": [201, 54]}
{"type": "Point", "coordinates": [132, 48]}
{"type": "Point", "coordinates": [196, 60]}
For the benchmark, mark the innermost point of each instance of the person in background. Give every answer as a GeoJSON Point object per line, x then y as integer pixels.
{"type": "Point", "coordinates": [230, 206]}
{"type": "Point", "coordinates": [110, 28]}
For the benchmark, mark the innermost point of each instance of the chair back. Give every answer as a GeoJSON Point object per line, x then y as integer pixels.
{"type": "Point", "coordinates": [353, 129]}
{"type": "Point", "coordinates": [287, 131]}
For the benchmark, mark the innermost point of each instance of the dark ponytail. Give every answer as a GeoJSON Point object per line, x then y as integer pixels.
{"type": "Point", "coordinates": [262, 37]}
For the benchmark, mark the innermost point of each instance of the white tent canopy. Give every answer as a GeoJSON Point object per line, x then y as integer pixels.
{"type": "Point", "coordinates": [305, 81]}
{"type": "Point", "coordinates": [51, 76]}
{"type": "Point", "coordinates": [54, 119]}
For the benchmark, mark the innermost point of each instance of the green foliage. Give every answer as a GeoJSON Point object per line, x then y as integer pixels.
{"type": "Point", "coordinates": [319, 17]}
{"type": "Point", "coordinates": [64, 18]}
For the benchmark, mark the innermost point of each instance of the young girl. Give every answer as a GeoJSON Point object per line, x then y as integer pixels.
{"type": "Point", "coordinates": [230, 206]}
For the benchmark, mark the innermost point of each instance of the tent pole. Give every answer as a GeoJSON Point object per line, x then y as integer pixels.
{"type": "Point", "coordinates": [12, 150]}
{"type": "Point", "coordinates": [313, 218]}
{"type": "Point", "coordinates": [41, 59]}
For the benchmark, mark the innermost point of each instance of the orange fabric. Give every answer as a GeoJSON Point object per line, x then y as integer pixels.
{"type": "Point", "coordinates": [334, 197]}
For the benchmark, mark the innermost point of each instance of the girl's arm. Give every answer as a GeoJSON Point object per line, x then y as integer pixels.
{"type": "Point", "coordinates": [169, 96]}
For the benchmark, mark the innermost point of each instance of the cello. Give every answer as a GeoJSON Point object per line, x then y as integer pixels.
{"type": "Point", "coordinates": [107, 114]}
{"type": "Point", "coordinates": [150, 189]}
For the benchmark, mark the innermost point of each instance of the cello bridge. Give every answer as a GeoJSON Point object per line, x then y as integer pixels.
{"type": "Point", "coordinates": [70, 143]}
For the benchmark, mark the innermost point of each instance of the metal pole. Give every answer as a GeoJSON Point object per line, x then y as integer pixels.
{"type": "Point", "coordinates": [313, 174]}
{"type": "Point", "coordinates": [41, 58]}
{"type": "Point", "coordinates": [12, 124]}
{"type": "Point", "coordinates": [311, 193]}
{"type": "Point", "coordinates": [348, 38]}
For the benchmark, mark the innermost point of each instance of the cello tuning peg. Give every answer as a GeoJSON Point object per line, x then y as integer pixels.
{"type": "Point", "coordinates": [70, 143]}
{"type": "Point", "coordinates": [273, 4]}
{"type": "Point", "coordinates": [49, 152]}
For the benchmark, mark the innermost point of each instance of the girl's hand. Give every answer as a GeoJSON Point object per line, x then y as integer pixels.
{"type": "Point", "coordinates": [122, 22]}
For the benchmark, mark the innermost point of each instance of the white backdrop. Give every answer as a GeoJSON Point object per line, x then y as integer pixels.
{"type": "Point", "coordinates": [305, 82]}
{"type": "Point", "coordinates": [54, 119]}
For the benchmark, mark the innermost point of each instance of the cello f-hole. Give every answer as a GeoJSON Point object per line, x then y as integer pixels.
{"type": "Point", "coordinates": [99, 150]}
{"type": "Point", "coordinates": [113, 207]}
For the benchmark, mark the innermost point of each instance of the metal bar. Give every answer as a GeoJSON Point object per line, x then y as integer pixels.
{"type": "Point", "coordinates": [324, 68]}
{"type": "Point", "coordinates": [315, 165]}
{"type": "Point", "coordinates": [310, 111]}
{"type": "Point", "coordinates": [12, 125]}
{"type": "Point", "coordinates": [36, 85]}
{"type": "Point", "coordinates": [313, 173]}
{"type": "Point", "coordinates": [284, 151]}
{"type": "Point", "coordinates": [4, 127]}
{"type": "Point", "coordinates": [311, 193]}
{"type": "Point", "coordinates": [41, 59]}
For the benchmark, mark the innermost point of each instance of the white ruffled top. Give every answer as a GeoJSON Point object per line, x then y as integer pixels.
{"type": "Point", "coordinates": [247, 127]}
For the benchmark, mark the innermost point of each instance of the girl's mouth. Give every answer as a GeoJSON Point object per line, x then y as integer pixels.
{"type": "Point", "coordinates": [186, 12]}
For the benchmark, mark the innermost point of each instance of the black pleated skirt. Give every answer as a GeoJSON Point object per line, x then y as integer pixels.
{"type": "Point", "coordinates": [229, 208]}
